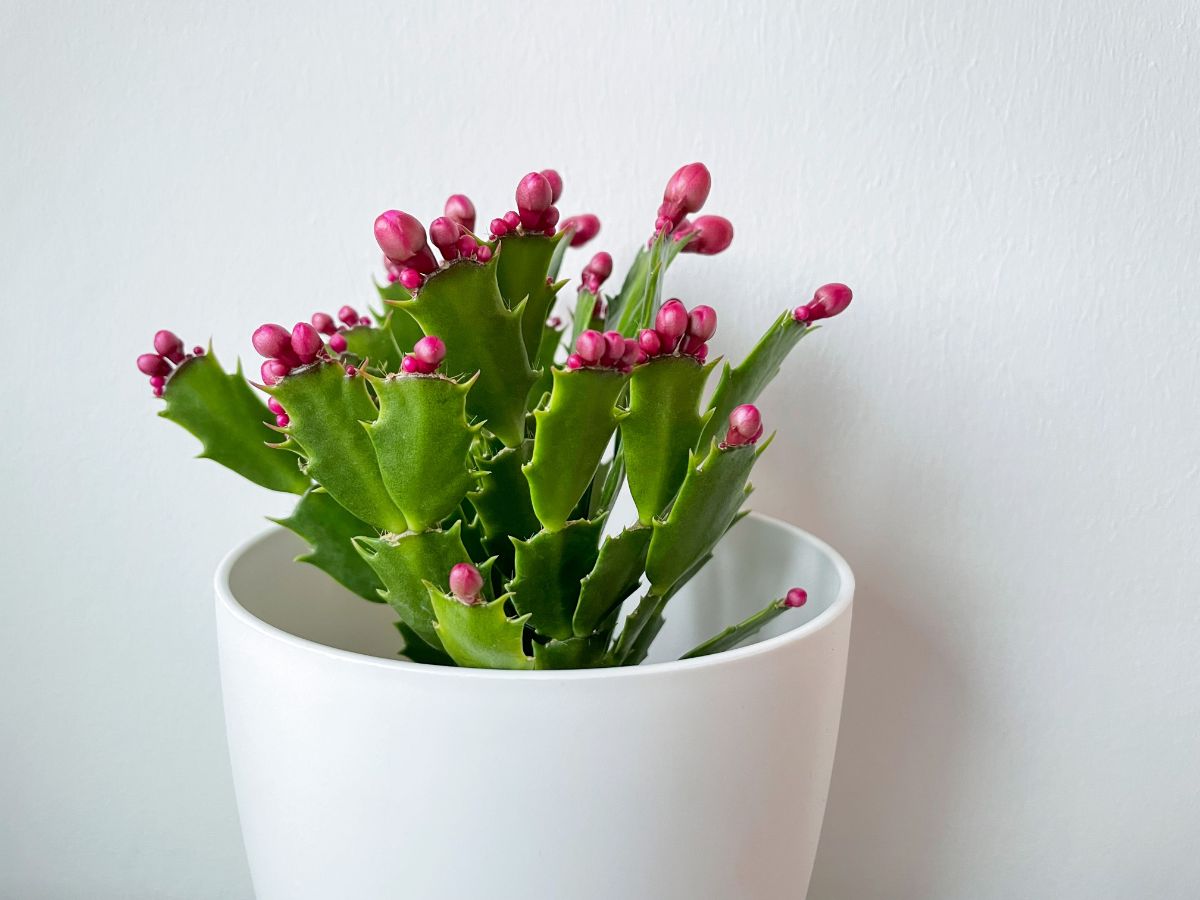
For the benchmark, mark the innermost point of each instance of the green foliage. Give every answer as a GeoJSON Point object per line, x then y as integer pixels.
{"type": "Point", "coordinates": [329, 529]}
{"type": "Point", "coordinates": [374, 347]}
{"type": "Point", "coordinates": [549, 569]}
{"type": "Point", "coordinates": [503, 504]}
{"type": "Point", "coordinates": [479, 637]}
{"type": "Point", "coordinates": [616, 575]}
{"type": "Point", "coordinates": [742, 631]}
{"type": "Point", "coordinates": [224, 412]}
{"type": "Point", "coordinates": [523, 265]}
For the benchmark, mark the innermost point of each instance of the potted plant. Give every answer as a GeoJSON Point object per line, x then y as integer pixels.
{"type": "Point", "coordinates": [535, 700]}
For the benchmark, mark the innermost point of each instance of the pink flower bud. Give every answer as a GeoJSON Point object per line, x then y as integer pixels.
{"type": "Point", "coordinates": [688, 188]}
{"type": "Point", "coordinates": [153, 364]}
{"type": "Point", "coordinates": [348, 316]}
{"type": "Point", "coordinates": [596, 272]}
{"type": "Point", "coordinates": [306, 343]}
{"type": "Point", "coordinates": [714, 234]}
{"type": "Point", "coordinates": [574, 361]}
{"type": "Point", "coordinates": [534, 195]}
{"type": "Point", "coordinates": [430, 350]}
{"type": "Point", "coordinates": [460, 209]}
{"type": "Point", "coordinates": [484, 253]}
{"type": "Point", "coordinates": [512, 219]}
{"type": "Point", "coordinates": [671, 323]}
{"type": "Point", "coordinates": [275, 406]}
{"type": "Point", "coordinates": [323, 322]}
{"type": "Point", "coordinates": [351, 371]}
{"type": "Point", "coordinates": [157, 381]}
{"type": "Point", "coordinates": [498, 227]}
{"type": "Point", "coordinates": [364, 320]}
{"type": "Point", "coordinates": [157, 391]}
{"type": "Point", "coordinates": [549, 220]}
{"type": "Point", "coordinates": [337, 343]}
{"type": "Point", "coordinates": [614, 348]}
{"type": "Point", "coordinates": [649, 341]}
{"type": "Point", "coordinates": [590, 347]}
{"type": "Point", "coordinates": [272, 370]}
{"type": "Point", "coordinates": [585, 226]}
{"type": "Point", "coordinates": [410, 365]}
{"type": "Point", "coordinates": [690, 346]}
{"type": "Point", "coordinates": [796, 597]}
{"type": "Point", "coordinates": [467, 245]}
{"type": "Point", "coordinates": [444, 233]}
{"type": "Point", "coordinates": [630, 356]}
{"type": "Point", "coordinates": [167, 343]}
{"type": "Point", "coordinates": [555, 182]}
{"type": "Point", "coordinates": [271, 340]}
{"type": "Point", "coordinates": [702, 322]}
{"type": "Point", "coordinates": [400, 235]}
{"type": "Point", "coordinates": [828, 301]}
{"type": "Point", "coordinates": [411, 279]}
{"type": "Point", "coordinates": [197, 350]}
{"type": "Point", "coordinates": [745, 425]}
{"type": "Point", "coordinates": [465, 583]}
{"type": "Point", "coordinates": [283, 421]}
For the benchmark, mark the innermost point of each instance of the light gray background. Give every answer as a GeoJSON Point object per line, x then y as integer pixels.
{"type": "Point", "coordinates": [1001, 436]}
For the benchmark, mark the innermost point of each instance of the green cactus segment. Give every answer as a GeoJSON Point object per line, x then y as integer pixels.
{"type": "Point", "coordinates": [581, 318]}
{"type": "Point", "coordinates": [375, 347]}
{"type": "Point", "coordinates": [326, 408]}
{"type": "Point", "coordinates": [462, 305]}
{"type": "Point", "coordinates": [223, 411]}
{"type": "Point", "coordinates": [617, 574]}
{"type": "Point", "coordinates": [329, 529]}
{"type": "Point", "coordinates": [632, 288]}
{"type": "Point", "coordinates": [551, 338]}
{"type": "Point", "coordinates": [571, 436]}
{"type": "Point", "coordinates": [503, 503]}
{"type": "Point", "coordinates": [403, 328]}
{"type": "Point", "coordinates": [742, 631]}
{"type": "Point", "coordinates": [523, 265]}
{"type": "Point", "coordinates": [574, 653]}
{"type": "Point", "coordinates": [405, 562]}
{"type": "Point", "coordinates": [641, 294]}
{"type": "Point", "coordinates": [661, 429]}
{"type": "Point", "coordinates": [423, 444]}
{"type": "Point", "coordinates": [479, 637]}
{"type": "Point", "coordinates": [416, 650]}
{"type": "Point", "coordinates": [743, 384]}
{"type": "Point", "coordinates": [711, 495]}
{"type": "Point", "coordinates": [641, 628]}
{"type": "Point", "coordinates": [549, 569]}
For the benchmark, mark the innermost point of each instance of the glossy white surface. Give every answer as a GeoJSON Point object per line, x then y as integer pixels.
{"type": "Point", "coordinates": [369, 777]}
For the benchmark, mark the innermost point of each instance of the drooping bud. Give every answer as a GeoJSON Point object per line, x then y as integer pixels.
{"type": "Point", "coordinates": [306, 342]}
{"type": "Point", "coordinates": [556, 185]}
{"type": "Point", "coordinates": [444, 233]}
{"type": "Point", "coordinates": [337, 343]}
{"type": "Point", "coordinates": [702, 322]}
{"type": "Point", "coordinates": [649, 341]}
{"type": "Point", "coordinates": [596, 272]}
{"type": "Point", "coordinates": [745, 426]}
{"type": "Point", "coordinates": [713, 234]}
{"type": "Point", "coordinates": [466, 582]}
{"type": "Point", "coordinates": [168, 344]}
{"type": "Point", "coordinates": [534, 196]}
{"type": "Point", "coordinates": [430, 350]}
{"type": "Point", "coordinates": [323, 322]}
{"type": "Point", "coordinates": [671, 323]}
{"type": "Point", "coordinates": [688, 188]}
{"type": "Point", "coordinates": [460, 209]}
{"type": "Point", "coordinates": [153, 364]}
{"type": "Point", "coordinates": [590, 347]}
{"type": "Point", "coordinates": [273, 370]}
{"type": "Point", "coordinates": [585, 227]}
{"type": "Point", "coordinates": [796, 597]}
{"type": "Point", "coordinates": [400, 236]}
{"type": "Point", "coordinates": [828, 301]}
{"type": "Point", "coordinates": [272, 340]}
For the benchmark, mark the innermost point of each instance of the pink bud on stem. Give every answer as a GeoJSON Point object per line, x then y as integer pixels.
{"type": "Point", "coordinates": [649, 341]}
{"type": "Point", "coordinates": [400, 236]}
{"type": "Point", "coordinates": [585, 227]}
{"type": "Point", "coordinates": [154, 365]}
{"type": "Point", "coordinates": [466, 582]}
{"type": "Point", "coordinates": [702, 322]}
{"type": "Point", "coordinates": [596, 272]}
{"type": "Point", "coordinates": [745, 426]}
{"type": "Point", "coordinates": [549, 220]}
{"type": "Point", "coordinates": [534, 197]}
{"type": "Point", "coordinates": [306, 342]}
{"type": "Point", "coordinates": [460, 209]}
{"type": "Point", "coordinates": [168, 344]}
{"type": "Point", "coordinates": [713, 235]}
{"type": "Point", "coordinates": [671, 323]}
{"type": "Point", "coordinates": [498, 228]}
{"type": "Point", "coordinates": [348, 316]}
{"type": "Point", "coordinates": [483, 253]}
{"type": "Point", "coordinates": [273, 340]}
{"type": "Point", "coordinates": [273, 370]}
{"type": "Point", "coordinates": [828, 301]}
{"type": "Point", "coordinates": [590, 347]}
{"type": "Point", "coordinates": [795, 598]}
{"type": "Point", "coordinates": [430, 350]}
{"type": "Point", "coordinates": [275, 406]}
{"type": "Point", "coordinates": [323, 322]}
{"type": "Point", "coordinates": [337, 343]}
{"type": "Point", "coordinates": [614, 348]}
{"type": "Point", "coordinates": [688, 187]}
{"type": "Point", "coordinates": [555, 182]}
{"type": "Point", "coordinates": [444, 232]}
{"type": "Point", "coordinates": [411, 279]}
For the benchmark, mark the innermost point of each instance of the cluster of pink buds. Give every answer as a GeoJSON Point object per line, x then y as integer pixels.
{"type": "Point", "coordinates": [582, 227]}
{"type": "Point", "coordinates": [453, 234]}
{"type": "Point", "coordinates": [406, 251]}
{"type": "Point", "coordinates": [685, 193]}
{"type": "Point", "coordinates": [828, 301]}
{"type": "Point", "coordinates": [678, 331]}
{"type": "Point", "coordinates": [610, 350]}
{"type": "Point", "coordinates": [745, 426]}
{"type": "Point", "coordinates": [536, 213]}
{"type": "Point", "coordinates": [596, 272]}
{"type": "Point", "coordinates": [168, 353]}
{"type": "Point", "coordinates": [284, 350]}
{"type": "Point", "coordinates": [466, 584]}
{"type": "Point", "coordinates": [426, 356]}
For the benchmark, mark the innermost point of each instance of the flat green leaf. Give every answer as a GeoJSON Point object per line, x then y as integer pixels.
{"type": "Point", "coordinates": [551, 338]}
{"type": "Point", "coordinates": [503, 504]}
{"type": "Point", "coordinates": [330, 530]}
{"type": "Point", "coordinates": [523, 267]}
{"type": "Point", "coordinates": [616, 575]}
{"type": "Point", "coordinates": [549, 570]}
{"type": "Point", "coordinates": [327, 409]}
{"type": "Point", "coordinates": [479, 637]}
{"type": "Point", "coordinates": [574, 653]}
{"type": "Point", "coordinates": [223, 411]}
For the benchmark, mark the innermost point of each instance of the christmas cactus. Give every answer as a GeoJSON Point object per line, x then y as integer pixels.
{"type": "Point", "coordinates": [457, 455]}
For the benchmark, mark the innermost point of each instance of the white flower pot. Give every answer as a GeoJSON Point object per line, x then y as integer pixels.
{"type": "Point", "coordinates": [361, 776]}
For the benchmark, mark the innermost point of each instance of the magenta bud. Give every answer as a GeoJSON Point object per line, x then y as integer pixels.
{"type": "Point", "coordinates": [364, 320]}
{"type": "Point", "coordinates": [157, 381]}
{"type": "Point", "coordinates": [586, 226]}
{"type": "Point", "coordinates": [153, 364]}
{"type": "Point", "coordinates": [168, 344]}
{"type": "Point", "coordinates": [411, 279]}
{"type": "Point", "coordinates": [484, 253]}
{"type": "Point", "coordinates": [590, 346]}
{"type": "Point", "coordinates": [410, 365]}
{"type": "Point", "coordinates": [574, 361]}
{"type": "Point", "coordinates": [197, 350]}
{"type": "Point", "coordinates": [465, 583]}
{"type": "Point", "coordinates": [272, 370]}
{"type": "Point", "coordinates": [512, 219]}
{"type": "Point", "coordinates": [467, 245]}
{"type": "Point", "coordinates": [691, 345]}
{"type": "Point", "coordinates": [599, 268]}
{"type": "Point", "coordinates": [745, 425]}
{"type": "Point", "coordinates": [534, 195]}
{"type": "Point", "coordinates": [828, 301]}
{"type": "Point", "coordinates": [271, 340]}
{"type": "Point", "coordinates": [687, 190]}
{"type": "Point", "coordinates": [713, 235]}
{"type": "Point", "coordinates": [323, 322]}
{"type": "Point", "coordinates": [430, 350]}
{"type": "Point", "coordinates": [630, 356]}
{"type": "Point", "coordinates": [701, 353]}
{"type": "Point", "coordinates": [460, 209]}
{"type": "Point", "coordinates": [702, 322]}
{"type": "Point", "coordinates": [306, 342]}
{"type": "Point", "coordinates": [649, 341]}
{"type": "Point", "coordinates": [555, 181]}
{"type": "Point", "coordinates": [795, 597]}
{"type": "Point", "coordinates": [337, 343]}
{"type": "Point", "coordinates": [275, 406]}
{"type": "Point", "coordinates": [157, 391]}
{"type": "Point", "coordinates": [444, 233]}
{"type": "Point", "coordinates": [614, 348]}
{"type": "Point", "coordinates": [499, 227]}
{"type": "Point", "coordinates": [400, 235]}
{"type": "Point", "coordinates": [549, 220]}
{"type": "Point", "coordinates": [282, 420]}
{"type": "Point", "coordinates": [671, 323]}
{"type": "Point", "coordinates": [348, 316]}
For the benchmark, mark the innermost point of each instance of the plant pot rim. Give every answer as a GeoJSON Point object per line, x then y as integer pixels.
{"type": "Point", "coordinates": [228, 602]}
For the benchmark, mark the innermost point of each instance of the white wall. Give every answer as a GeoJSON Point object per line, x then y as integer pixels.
{"type": "Point", "coordinates": [1002, 434]}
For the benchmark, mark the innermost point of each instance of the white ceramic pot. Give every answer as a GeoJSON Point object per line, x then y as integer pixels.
{"type": "Point", "coordinates": [361, 776]}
